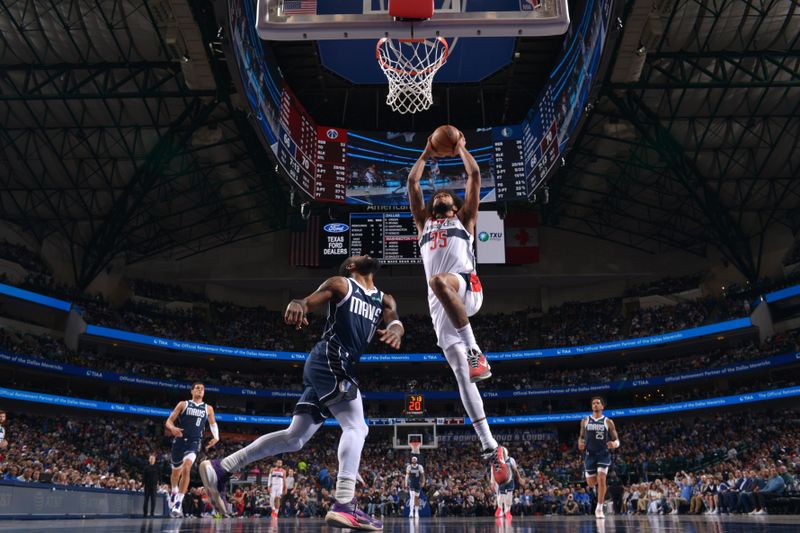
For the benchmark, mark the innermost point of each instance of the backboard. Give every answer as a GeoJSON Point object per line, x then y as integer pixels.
{"type": "Point", "coordinates": [298, 20]}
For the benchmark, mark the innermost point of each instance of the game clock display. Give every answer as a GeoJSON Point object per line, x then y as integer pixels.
{"type": "Point", "coordinates": [415, 404]}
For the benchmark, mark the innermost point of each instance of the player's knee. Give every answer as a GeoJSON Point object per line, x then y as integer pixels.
{"type": "Point", "coordinates": [358, 428]}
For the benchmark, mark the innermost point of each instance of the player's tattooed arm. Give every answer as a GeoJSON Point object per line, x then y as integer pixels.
{"type": "Point", "coordinates": [393, 333]}
{"type": "Point", "coordinates": [170, 423]}
{"type": "Point", "coordinates": [613, 441]}
{"type": "Point", "coordinates": [332, 289]}
{"type": "Point", "coordinates": [582, 437]}
{"type": "Point", "coordinates": [472, 195]}
{"type": "Point", "coordinates": [416, 200]}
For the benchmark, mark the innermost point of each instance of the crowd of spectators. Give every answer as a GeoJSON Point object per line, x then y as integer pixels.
{"type": "Point", "coordinates": [665, 286]}
{"type": "Point", "coordinates": [570, 324]}
{"type": "Point", "coordinates": [22, 256]}
{"type": "Point", "coordinates": [377, 380]}
{"type": "Point", "coordinates": [164, 291]}
{"type": "Point", "coordinates": [664, 466]}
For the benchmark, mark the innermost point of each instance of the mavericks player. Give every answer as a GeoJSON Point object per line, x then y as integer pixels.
{"type": "Point", "coordinates": [446, 229]}
{"type": "Point", "coordinates": [277, 487]}
{"type": "Point", "coordinates": [505, 492]}
{"type": "Point", "coordinates": [414, 481]}
{"type": "Point", "coordinates": [598, 436]}
{"type": "Point", "coordinates": [355, 307]}
{"type": "Point", "coordinates": [187, 423]}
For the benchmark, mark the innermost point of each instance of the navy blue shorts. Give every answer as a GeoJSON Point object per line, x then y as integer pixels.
{"type": "Point", "coordinates": [328, 379]}
{"type": "Point", "coordinates": [181, 447]}
{"type": "Point", "coordinates": [593, 460]}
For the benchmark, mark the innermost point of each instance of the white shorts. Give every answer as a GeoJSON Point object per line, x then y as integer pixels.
{"type": "Point", "coordinates": [276, 492]}
{"type": "Point", "coordinates": [472, 296]}
{"type": "Point", "coordinates": [506, 498]}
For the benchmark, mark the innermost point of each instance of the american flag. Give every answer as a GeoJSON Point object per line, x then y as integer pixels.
{"type": "Point", "coordinates": [304, 244]}
{"type": "Point", "coordinates": [300, 7]}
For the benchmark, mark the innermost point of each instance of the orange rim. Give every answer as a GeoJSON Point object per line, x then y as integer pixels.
{"type": "Point", "coordinates": [387, 66]}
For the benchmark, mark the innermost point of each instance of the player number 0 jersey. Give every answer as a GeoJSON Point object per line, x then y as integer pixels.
{"type": "Point", "coordinates": [446, 246]}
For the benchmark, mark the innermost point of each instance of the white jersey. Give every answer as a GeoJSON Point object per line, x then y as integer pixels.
{"type": "Point", "coordinates": [2, 433]}
{"type": "Point", "coordinates": [276, 478]}
{"type": "Point", "coordinates": [446, 246]}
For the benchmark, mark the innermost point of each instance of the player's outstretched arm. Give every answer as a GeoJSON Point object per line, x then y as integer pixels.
{"type": "Point", "coordinates": [472, 197]}
{"type": "Point", "coordinates": [613, 441]}
{"type": "Point", "coordinates": [393, 333]}
{"type": "Point", "coordinates": [416, 200]}
{"type": "Point", "coordinates": [170, 423]}
{"type": "Point", "coordinates": [582, 436]}
{"type": "Point", "coordinates": [212, 425]}
{"type": "Point", "coordinates": [332, 289]}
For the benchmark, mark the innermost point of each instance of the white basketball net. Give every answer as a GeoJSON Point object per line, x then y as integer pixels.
{"type": "Point", "coordinates": [410, 65]}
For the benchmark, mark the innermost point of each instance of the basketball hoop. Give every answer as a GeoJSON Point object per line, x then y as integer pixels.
{"type": "Point", "coordinates": [410, 65]}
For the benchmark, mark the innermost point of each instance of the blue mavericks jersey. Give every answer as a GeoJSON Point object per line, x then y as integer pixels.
{"type": "Point", "coordinates": [352, 322]}
{"type": "Point", "coordinates": [193, 420]}
{"type": "Point", "coordinates": [414, 473]}
{"type": "Point", "coordinates": [596, 435]}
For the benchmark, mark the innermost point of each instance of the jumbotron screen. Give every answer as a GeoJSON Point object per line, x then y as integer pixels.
{"type": "Point", "coordinates": [369, 168]}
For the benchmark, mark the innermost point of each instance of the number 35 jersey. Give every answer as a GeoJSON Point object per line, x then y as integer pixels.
{"type": "Point", "coordinates": [446, 246]}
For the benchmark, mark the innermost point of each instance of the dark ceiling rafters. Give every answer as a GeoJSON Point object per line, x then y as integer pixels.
{"type": "Point", "coordinates": [106, 145]}
{"type": "Point", "coordinates": [702, 150]}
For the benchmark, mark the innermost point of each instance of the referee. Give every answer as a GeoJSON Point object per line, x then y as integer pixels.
{"type": "Point", "coordinates": [152, 474]}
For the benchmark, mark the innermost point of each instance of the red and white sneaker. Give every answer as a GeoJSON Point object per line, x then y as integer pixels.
{"type": "Point", "coordinates": [508, 516]}
{"type": "Point", "coordinates": [498, 513]}
{"type": "Point", "coordinates": [479, 368]}
{"type": "Point", "coordinates": [500, 470]}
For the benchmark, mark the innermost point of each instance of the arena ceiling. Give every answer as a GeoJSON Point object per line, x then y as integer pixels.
{"type": "Point", "coordinates": [123, 134]}
{"type": "Point", "coordinates": [694, 139]}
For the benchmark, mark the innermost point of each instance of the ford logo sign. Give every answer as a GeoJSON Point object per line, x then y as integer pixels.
{"type": "Point", "coordinates": [336, 227]}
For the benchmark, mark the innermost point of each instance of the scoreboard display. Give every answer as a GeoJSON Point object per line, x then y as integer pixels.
{"type": "Point", "coordinates": [390, 237]}
{"type": "Point", "coordinates": [314, 157]}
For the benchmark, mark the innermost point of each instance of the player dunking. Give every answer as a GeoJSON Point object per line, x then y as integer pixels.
{"type": "Point", "coordinates": [277, 487]}
{"type": "Point", "coordinates": [187, 423]}
{"type": "Point", "coordinates": [598, 436]}
{"type": "Point", "coordinates": [505, 492]}
{"type": "Point", "coordinates": [355, 308]}
{"type": "Point", "coordinates": [446, 229]}
{"type": "Point", "coordinates": [414, 481]}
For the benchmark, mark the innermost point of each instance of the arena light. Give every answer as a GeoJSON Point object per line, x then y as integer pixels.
{"type": "Point", "coordinates": [649, 410]}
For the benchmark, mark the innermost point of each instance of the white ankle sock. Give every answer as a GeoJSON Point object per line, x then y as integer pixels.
{"type": "Point", "coordinates": [485, 434]}
{"type": "Point", "coordinates": [467, 337]}
{"type": "Point", "coordinates": [345, 490]}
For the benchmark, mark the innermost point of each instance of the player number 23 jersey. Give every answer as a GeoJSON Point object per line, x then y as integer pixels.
{"type": "Point", "coordinates": [446, 246]}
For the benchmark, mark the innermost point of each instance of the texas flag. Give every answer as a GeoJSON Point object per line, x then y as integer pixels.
{"type": "Point", "coordinates": [522, 238]}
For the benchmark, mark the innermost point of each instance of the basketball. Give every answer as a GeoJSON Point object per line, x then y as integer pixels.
{"type": "Point", "coordinates": [444, 140]}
